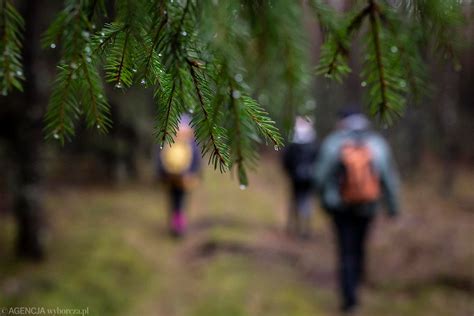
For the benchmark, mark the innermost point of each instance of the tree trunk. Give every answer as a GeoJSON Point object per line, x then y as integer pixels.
{"type": "Point", "coordinates": [25, 146]}
{"type": "Point", "coordinates": [27, 205]}
{"type": "Point", "coordinates": [448, 120]}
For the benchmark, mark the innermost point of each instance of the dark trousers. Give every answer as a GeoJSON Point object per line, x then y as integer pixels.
{"type": "Point", "coordinates": [177, 196]}
{"type": "Point", "coordinates": [301, 199]}
{"type": "Point", "coordinates": [351, 234]}
{"type": "Point", "coordinates": [300, 207]}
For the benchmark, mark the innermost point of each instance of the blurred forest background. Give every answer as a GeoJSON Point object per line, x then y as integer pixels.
{"type": "Point", "coordinates": [95, 205]}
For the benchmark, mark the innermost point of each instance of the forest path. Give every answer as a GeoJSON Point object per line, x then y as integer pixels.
{"type": "Point", "coordinates": [110, 251]}
{"type": "Point", "coordinates": [238, 260]}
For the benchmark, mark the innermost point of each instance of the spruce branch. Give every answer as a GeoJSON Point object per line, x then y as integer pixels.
{"type": "Point", "coordinates": [119, 64]}
{"type": "Point", "coordinates": [152, 48]}
{"type": "Point", "coordinates": [96, 107]}
{"type": "Point", "coordinates": [63, 106]}
{"type": "Point", "coordinates": [385, 75]}
{"type": "Point", "coordinates": [408, 41]}
{"type": "Point", "coordinates": [333, 61]}
{"type": "Point", "coordinates": [265, 125]}
{"type": "Point", "coordinates": [238, 139]}
{"type": "Point", "coordinates": [341, 45]}
{"type": "Point", "coordinates": [11, 36]}
{"type": "Point", "coordinates": [384, 105]}
{"type": "Point", "coordinates": [166, 130]}
{"type": "Point", "coordinates": [106, 37]}
{"type": "Point", "coordinates": [78, 88]}
{"type": "Point", "coordinates": [217, 149]}
{"type": "Point", "coordinates": [55, 31]}
{"type": "Point", "coordinates": [208, 58]}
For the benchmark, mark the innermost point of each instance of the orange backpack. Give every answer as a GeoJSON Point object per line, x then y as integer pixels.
{"type": "Point", "coordinates": [360, 183]}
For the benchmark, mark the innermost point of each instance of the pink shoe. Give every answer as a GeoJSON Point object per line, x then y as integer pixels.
{"type": "Point", "coordinates": [178, 223]}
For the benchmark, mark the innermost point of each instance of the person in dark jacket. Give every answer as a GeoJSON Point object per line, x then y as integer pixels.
{"type": "Point", "coordinates": [178, 169]}
{"type": "Point", "coordinates": [354, 173]}
{"type": "Point", "coordinates": [299, 159]}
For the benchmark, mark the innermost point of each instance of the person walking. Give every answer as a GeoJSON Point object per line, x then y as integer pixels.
{"type": "Point", "coordinates": [354, 173]}
{"type": "Point", "coordinates": [178, 167]}
{"type": "Point", "coordinates": [299, 159]}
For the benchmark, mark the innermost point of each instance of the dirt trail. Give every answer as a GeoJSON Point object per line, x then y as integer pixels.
{"type": "Point", "coordinates": [425, 252]}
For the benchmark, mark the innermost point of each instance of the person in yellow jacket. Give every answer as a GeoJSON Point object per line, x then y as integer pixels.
{"type": "Point", "coordinates": [178, 167]}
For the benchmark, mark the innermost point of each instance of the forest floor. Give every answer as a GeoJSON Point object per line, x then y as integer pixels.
{"type": "Point", "coordinates": [109, 252]}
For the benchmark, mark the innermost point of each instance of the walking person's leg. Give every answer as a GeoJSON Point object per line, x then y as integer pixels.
{"type": "Point", "coordinates": [344, 227]}
{"type": "Point", "coordinates": [361, 233]}
{"type": "Point", "coordinates": [292, 217]}
{"type": "Point", "coordinates": [304, 211]}
{"type": "Point", "coordinates": [178, 224]}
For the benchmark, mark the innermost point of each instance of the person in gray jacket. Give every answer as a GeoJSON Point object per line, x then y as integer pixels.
{"type": "Point", "coordinates": [354, 173]}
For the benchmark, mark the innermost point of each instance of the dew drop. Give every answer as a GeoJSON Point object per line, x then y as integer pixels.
{"type": "Point", "coordinates": [73, 65]}
{"type": "Point", "coordinates": [161, 146]}
{"type": "Point", "coordinates": [403, 83]}
{"type": "Point", "coordinates": [238, 77]}
{"type": "Point", "coordinates": [118, 85]}
{"type": "Point", "coordinates": [143, 82]}
{"type": "Point", "coordinates": [394, 49]}
{"type": "Point", "coordinates": [98, 126]}
{"type": "Point", "coordinates": [19, 73]}
{"type": "Point", "coordinates": [88, 59]}
{"type": "Point", "coordinates": [88, 50]}
{"type": "Point", "coordinates": [184, 33]}
{"type": "Point", "coordinates": [56, 136]}
{"type": "Point", "coordinates": [100, 96]}
{"type": "Point", "coordinates": [85, 34]}
{"type": "Point", "coordinates": [363, 84]}
{"type": "Point", "coordinates": [276, 148]}
{"type": "Point", "coordinates": [53, 46]}
{"type": "Point", "coordinates": [159, 54]}
{"type": "Point", "coordinates": [102, 34]}
{"type": "Point", "coordinates": [134, 70]}
{"type": "Point", "coordinates": [101, 41]}
{"type": "Point", "coordinates": [236, 94]}
{"type": "Point", "coordinates": [243, 187]}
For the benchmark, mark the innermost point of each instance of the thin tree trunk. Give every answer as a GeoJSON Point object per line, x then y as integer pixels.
{"type": "Point", "coordinates": [448, 120]}
{"type": "Point", "coordinates": [25, 147]}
